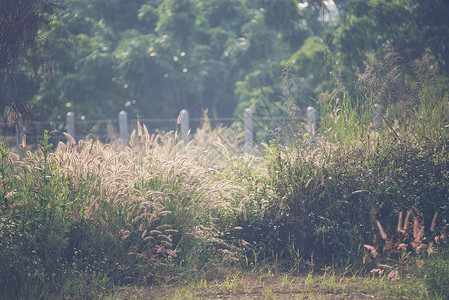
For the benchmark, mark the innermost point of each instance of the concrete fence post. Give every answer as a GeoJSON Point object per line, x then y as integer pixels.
{"type": "Point", "coordinates": [311, 121]}
{"type": "Point", "coordinates": [71, 124]}
{"type": "Point", "coordinates": [248, 125]}
{"type": "Point", "coordinates": [123, 126]}
{"type": "Point", "coordinates": [20, 132]}
{"type": "Point", "coordinates": [377, 117]}
{"type": "Point", "coordinates": [184, 123]}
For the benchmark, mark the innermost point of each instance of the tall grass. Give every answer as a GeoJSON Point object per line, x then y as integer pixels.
{"type": "Point", "coordinates": [113, 215]}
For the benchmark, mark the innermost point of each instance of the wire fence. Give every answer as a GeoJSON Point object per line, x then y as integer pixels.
{"type": "Point", "coordinates": [107, 130]}
{"type": "Point", "coordinates": [31, 132]}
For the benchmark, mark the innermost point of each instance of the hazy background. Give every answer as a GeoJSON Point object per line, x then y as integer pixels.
{"type": "Point", "coordinates": [153, 58]}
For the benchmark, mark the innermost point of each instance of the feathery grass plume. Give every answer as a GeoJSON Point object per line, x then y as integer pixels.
{"type": "Point", "coordinates": [432, 226]}
{"type": "Point", "coordinates": [132, 138]}
{"type": "Point", "coordinates": [406, 221]}
{"type": "Point", "coordinates": [417, 231]}
{"type": "Point", "coordinates": [139, 129]}
{"type": "Point", "coordinates": [23, 143]}
{"type": "Point", "coordinates": [71, 139]}
{"type": "Point", "coordinates": [381, 230]}
{"type": "Point", "coordinates": [399, 222]}
{"type": "Point", "coordinates": [371, 249]}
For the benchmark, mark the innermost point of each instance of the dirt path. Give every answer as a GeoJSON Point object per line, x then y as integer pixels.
{"type": "Point", "coordinates": [251, 285]}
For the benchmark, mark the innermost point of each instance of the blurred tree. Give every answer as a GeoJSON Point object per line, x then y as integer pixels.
{"type": "Point", "coordinates": [166, 55]}
{"type": "Point", "coordinates": [120, 15]}
{"type": "Point", "coordinates": [365, 29]}
{"type": "Point", "coordinates": [26, 53]}
{"type": "Point", "coordinates": [155, 57]}
{"type": "Point", "coordinates": [285, 17]}
{"type": "Point", "coordinates": [410, 26]}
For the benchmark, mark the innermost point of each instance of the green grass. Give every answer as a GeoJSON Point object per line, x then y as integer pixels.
{"type": "Point", "coordinates": [238, 284]}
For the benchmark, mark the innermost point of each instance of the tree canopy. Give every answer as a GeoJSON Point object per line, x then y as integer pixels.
{"type": "Point", "coordinates": [26, 52]}
{"type": "Point", "coordinates": [155, 57]}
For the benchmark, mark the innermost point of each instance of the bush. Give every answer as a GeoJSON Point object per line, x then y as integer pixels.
{"type": "Point", "coordinates": [326, 195]}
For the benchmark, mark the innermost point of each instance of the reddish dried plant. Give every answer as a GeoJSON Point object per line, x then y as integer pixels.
{"type": "Point", "coordinates": [407, 239]}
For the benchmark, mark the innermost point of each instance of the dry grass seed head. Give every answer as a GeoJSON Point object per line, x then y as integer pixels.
{"type": "Point", "coordinates": [71, 139]}
{"type": "Point", "coordinates": [381, 230]}
{"type": "Point", "coordinates": [406, 222]}
{"type": "Point", "coordinates": [399, 221]}
{"type": "Point", "coordinates": [432, 226]}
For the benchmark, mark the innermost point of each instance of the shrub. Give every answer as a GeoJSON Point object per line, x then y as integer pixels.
{"type": "Point", "coordinates": [326, 195]}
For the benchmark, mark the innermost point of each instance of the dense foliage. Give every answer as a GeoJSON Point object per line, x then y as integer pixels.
{"type": "Point", "coordinates": [154, 58]}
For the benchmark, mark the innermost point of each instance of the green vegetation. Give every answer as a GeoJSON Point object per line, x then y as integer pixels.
{"type": "Point", "coordinates": [260, 285]}
{"type": "Point", "coordinates": [154, 58]}
{"type": "Point", "coordinates": [360, 211]}
{"type": "Point", "coordinates": [83, 217]}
